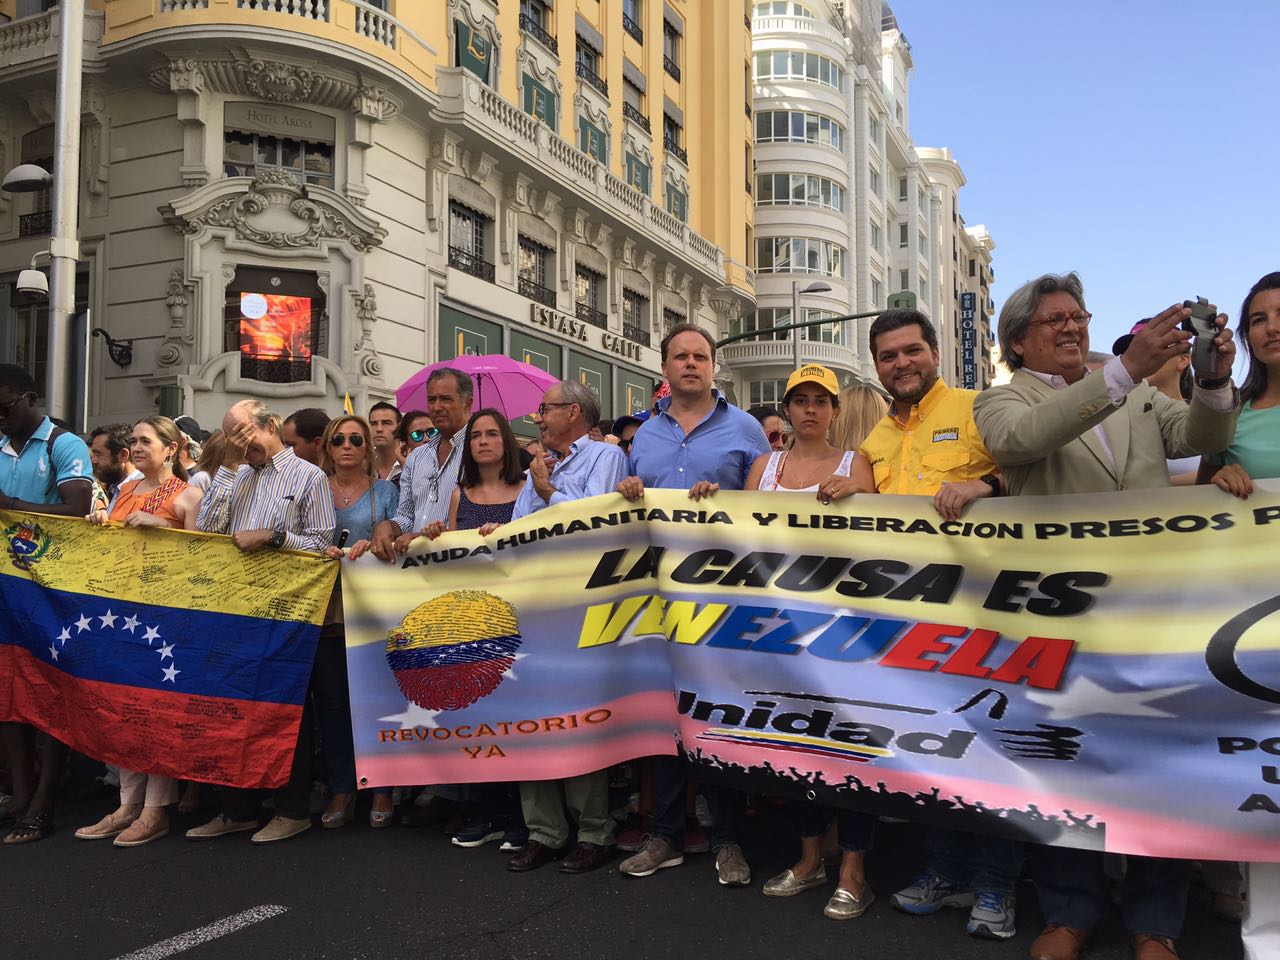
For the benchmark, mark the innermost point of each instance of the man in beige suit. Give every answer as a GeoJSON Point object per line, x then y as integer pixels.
{"type": "Point", "coordinates": [1054, 430]}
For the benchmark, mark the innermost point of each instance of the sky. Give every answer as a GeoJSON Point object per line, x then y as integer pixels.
{"type": "Point", "coordinates": [1133, 141]}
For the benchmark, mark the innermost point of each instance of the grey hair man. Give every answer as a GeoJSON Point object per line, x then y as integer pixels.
{"type": "Point", "coordinates": [430, 475]}
{"type": "Point", "coordinates": [1055, 430]}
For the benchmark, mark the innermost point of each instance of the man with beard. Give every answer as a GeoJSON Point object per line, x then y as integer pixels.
{"type": "Point", "coordinates": [927, 443]}
{"type": "Point", "coordinates": [109, 454]}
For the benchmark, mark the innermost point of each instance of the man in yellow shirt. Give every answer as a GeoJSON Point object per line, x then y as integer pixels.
{"type": "Point", "coordinates": [927, 444]}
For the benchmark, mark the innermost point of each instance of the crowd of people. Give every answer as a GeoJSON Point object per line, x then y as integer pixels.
{"type": "Point", "coordinates": [1069, 421]}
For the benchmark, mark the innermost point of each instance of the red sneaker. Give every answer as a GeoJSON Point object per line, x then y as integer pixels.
{"type": "Point", "coordinates": [634, 834]}
{"type": "Point", "coordinates": [695, 838]}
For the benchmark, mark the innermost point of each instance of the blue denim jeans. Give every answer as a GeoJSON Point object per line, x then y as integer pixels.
{"type": "Point", "coordinates": [1073, 890]}
{"type": "Point", "coordinates": [855, 830]}
{"type": "Point", "coordinates": [728, 807]}
{"type": "Point", "coordinates": [975, 860]}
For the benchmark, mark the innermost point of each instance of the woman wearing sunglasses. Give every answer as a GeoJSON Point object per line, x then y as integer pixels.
{"type": "Point", "coordinates": [773, 425]}
{"type": "Point", "coordinates": [360, 502]}
{"type": "Point", "coordinates": [415, 429]}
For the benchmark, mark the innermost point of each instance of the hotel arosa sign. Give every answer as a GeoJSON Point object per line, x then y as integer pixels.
{"type": "Point", "coordinates": [575, 329]}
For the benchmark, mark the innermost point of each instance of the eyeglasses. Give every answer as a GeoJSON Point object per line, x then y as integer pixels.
{"type": "Point", "coordinates": [774, 436]}
{"type": "Point", "coordinates": [338, 439]}
{"type": "Point", "coordinates": [544, 407]}
{"type": "Point", "coordinates": [1059, 320]}
{"type": "Point", "coordinates": [7, 408]}
{"type": "Point", "coordinates": [417, 436]}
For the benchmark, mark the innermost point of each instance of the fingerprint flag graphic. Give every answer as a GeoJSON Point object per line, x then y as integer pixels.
{"type": "Point", "coordinates": [451, 651]}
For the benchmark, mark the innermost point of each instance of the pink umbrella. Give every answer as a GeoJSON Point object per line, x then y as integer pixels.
{"type": "Point", "coordinates": [508, 385]}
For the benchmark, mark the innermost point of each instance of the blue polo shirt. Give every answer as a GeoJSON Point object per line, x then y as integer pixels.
{"type": "Point", "coordinates": [721, 448]}
{"type": "Point", "coordinates": [34, 474]}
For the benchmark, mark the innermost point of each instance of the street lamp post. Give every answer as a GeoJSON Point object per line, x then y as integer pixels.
{"type": "Point", "coordinates": [818, 286]}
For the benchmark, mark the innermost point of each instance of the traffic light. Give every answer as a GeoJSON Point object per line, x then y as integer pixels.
{"type": "Point", "coordinates": [903, 300]}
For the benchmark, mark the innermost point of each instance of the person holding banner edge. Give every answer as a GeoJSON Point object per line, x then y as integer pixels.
{"type": "Point", "coordinates": [696, 441]}
{"type": "Point", "coordinates": [1054, 430]}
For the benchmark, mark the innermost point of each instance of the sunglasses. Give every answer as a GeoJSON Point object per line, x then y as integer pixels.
{"type": "Point", "coordinates": [7, 408]}
{"type": "Point", "coordinates": [774, 436]}
{"type": "Point", "coordinates": [338, 439]}
{"type": "Point", "coordinates": [417, 436]}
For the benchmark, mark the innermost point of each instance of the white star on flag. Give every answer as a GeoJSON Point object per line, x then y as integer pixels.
{"type": "Point", "coordinates": [169, 673]}
{"type": "Point", "coordinates": [83, 624]}
{"type": "Point", "coordinates": [151, 634]}
{"type": "Point", "coordinates": [166, 650]}
{"type": "Point", "coordinates": [53, 651]}
{"type": "Point", "coordinates": [1084, 698]}
{"type": "Point", "coordinates": [132, 624]}
{"type": "Point", "coordinates": [109, 620]}
{"type": "Point", "coordinates": [414, 716]}
{"type": "Point", "coordinates": [65, 635]}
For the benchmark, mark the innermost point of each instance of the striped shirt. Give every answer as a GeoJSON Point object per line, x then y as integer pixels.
{"type": "Point", "coordinates": [426, 486]}
{"type": "Point", "coordinates": [285, 494]}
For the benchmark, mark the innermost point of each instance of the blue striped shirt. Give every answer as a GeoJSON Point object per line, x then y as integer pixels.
{"type": "Point", "coordinates": [284, 494]}
{"type": "Point", "coordinates": [426, 485]}
{"type": "Point", "coordinates": [590, 468]}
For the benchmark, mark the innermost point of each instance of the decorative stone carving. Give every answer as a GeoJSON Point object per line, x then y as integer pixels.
{"type": "Point", "coordinates": [172, 348]}
{"type": "Point", "coordinates": [278, 82]}
{"type": "Point", "coordinates": [478, 165]}
{"type": "Point", "coordinates": [275, 211]}
{"type": "Point", "coordinates": [366, 305]}
{"type": "Point", "coordinates": [374, 104]}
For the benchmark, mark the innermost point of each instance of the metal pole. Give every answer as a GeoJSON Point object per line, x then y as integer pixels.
{"type": "Point", "coordinates": [795, 330]}
{"type": "Point", "coordinates": [64, 245]}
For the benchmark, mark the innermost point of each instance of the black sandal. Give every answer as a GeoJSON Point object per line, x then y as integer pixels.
{"type": "Point", "coordinates": [30, 829]}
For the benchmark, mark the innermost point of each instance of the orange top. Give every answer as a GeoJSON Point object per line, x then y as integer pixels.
{"type": "Point", "coordinates": [158, 501]}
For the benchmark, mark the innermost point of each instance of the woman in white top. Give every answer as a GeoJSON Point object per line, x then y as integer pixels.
{"type": "Point", "coordinates": [810, 404]}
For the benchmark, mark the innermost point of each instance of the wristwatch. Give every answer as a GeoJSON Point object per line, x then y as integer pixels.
{"type": "Point", "coordinates": [992, 481]}
{"type": "Point", "coordinates": [277, 540]}
{"type": "Point", "coordinates": [1213, 384]}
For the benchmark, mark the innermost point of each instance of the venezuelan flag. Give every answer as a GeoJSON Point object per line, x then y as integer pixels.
{"type": "Point", "coordinates": [159, 650]}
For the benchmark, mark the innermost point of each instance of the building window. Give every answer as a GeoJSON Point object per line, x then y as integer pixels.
{"type": "Point", "coordinates": [875, 182]}
{"type": "Point", "coordinates": [244, 153]}
{"type": "Point", "coordinates": [672, 134]}
{"type": "Point", "coordinates": [904, 232]}
{"type": "Point", "coordinates": [677, 203]}
{"type": "Point", "coordinates": [773, 126]}
{"type": "Point", "coordinates": [473, 52]}
{"type": "Point", "coordinates": [670, 318]}
{"type": "Point", "coordinates": [782, 8]}
{"type": "Point", "coordinates": [531, 277]}
{"type": "Point", "coordinates": [798, 65]}
{"type": "Point", "coordinates": [37, 148]}
{"type": "Point", "coordinates": [638, 173]}
{"type": "Point", "coordinates": [588, 293]}
{"type": "Point", "coordinates": [670, 49]}
{"type": "Point", "coordinates": [589, 66]}
{"type": "Point", "coordinates": [766, 319]}
{"type": "Point", "coordinates": [799, 255]}
{"type": "Point", "coordinates": [633, 104]}
{"type": "Point", "coordinates": [539, 101]}
{"type": "Point", "coordinates": [904, 280]}
{"type": "Point", "coordinates": [798, 189]}
{"type": "Point", "coordinates": [631, 19]}
{"type": "Point", "coordinates": [592, 141]}
{"type": "Point", "coordinates": [635, 317]}
{"type": "Point", "coordinates": [875, 131]}
{"type": "Point", "coordinates": [902, 189]}
{"type": "Point", "coordinates": [972, 266]}
{"type": "Point", "coordinates": [767, 392]}
{"type": "Point", "coordinates": [924, 201]}
{"type": "Point", "coordinates": [468, 241]}
{"type": "Point", "coordinates": [877, 292]}
{"type": "Point", "coordinates": [534, 17]}
{"type": "Point", "coordinates": [875, 236]}
{"type": "Point", "coordinates": [276, 320]}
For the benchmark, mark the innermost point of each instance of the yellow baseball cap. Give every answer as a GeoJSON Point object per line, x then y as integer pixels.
{"type": "Point", "coordinates": [814, 373]}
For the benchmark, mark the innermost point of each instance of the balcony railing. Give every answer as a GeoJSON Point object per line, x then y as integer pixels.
{"type": "Point", "coordinates": [671, 67]}
{"type": "Point", "coordinates": [472, 263]}
{"type": "Point", "coordinates": [635, 116]}
{"type": "Point", "coordinates": [589, 314]}
{"type": "Point", "coordinates": [376, 25]}
{"type": "Point", "coordinates": [635, 334]}
{"type": "Point", "coordinates": [309, 9]}
{"type": "Point", "coordinates": [529, 287]}
{"type": "Point", "coordinates": [586, 73]}
{"type": "Point", "coordinates": [534, 29]}
{"type": "Point", "coordinates": [677, 151]}
{"type": "Point", "coordinates": [632, 28]}
{"type": "Point", "coordinates": [38, 224]}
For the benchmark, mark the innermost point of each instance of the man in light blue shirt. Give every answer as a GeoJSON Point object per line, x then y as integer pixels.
{"type": "Point", "coordinates": [698, 442]}
{"type": "Point", "coordinates": [576, 467]}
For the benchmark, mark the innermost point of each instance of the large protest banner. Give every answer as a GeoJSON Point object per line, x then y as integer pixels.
{"type": "Point", "coordinates": [159, 650]}
{"type": "Point", "coordinates": [1090, 671]}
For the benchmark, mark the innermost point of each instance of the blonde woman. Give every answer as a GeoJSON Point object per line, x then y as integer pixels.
{"type": "Point", "coordinates": [861, 408]}
{"type": "Point", "coordinates": [160, 498]}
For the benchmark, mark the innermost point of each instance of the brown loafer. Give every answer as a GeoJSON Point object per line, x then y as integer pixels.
{"type": "Point", "coordinates": [1147, 946]}
{"type": "Point", "coordinates": [533, 856]}
{"type": "Point", "coordinates": [1058, 942]}
{"type": "Point", "coordinates": [586, 857]}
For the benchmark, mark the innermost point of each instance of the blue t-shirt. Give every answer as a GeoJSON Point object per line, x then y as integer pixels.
{"type": "Point", "coordinates": [1256, 445]}
{"type": "Point", "coordinates": [356, 518]}
{"type": "Point", "coordinates": [721, 448]}
{"type": "Point", "coordinates": [34, 474]}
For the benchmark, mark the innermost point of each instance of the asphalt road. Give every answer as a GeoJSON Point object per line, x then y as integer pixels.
{"type": "Point", "coordinates": [358, 893]}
